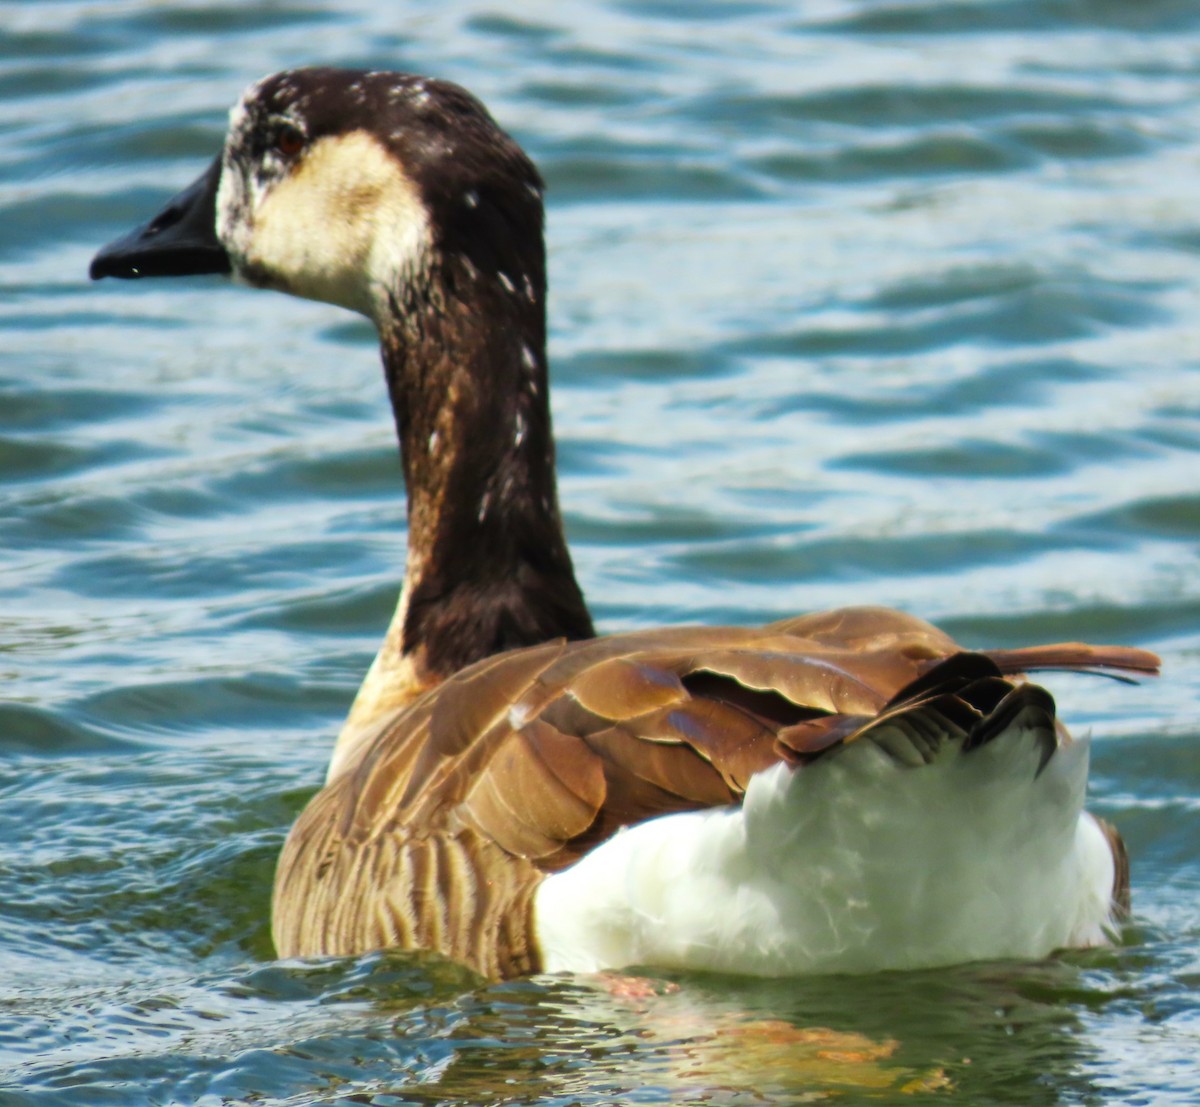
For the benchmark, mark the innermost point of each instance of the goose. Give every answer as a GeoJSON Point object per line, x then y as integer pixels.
{"type": "Point", "coordinates": [844, 791]}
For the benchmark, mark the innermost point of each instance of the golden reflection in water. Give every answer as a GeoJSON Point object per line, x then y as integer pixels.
{"type": "Point", "coordinates": [791, 1059]}
{"type": "Point", "coordinates": [714, 1053]}
{"type": "Point", "coordinates": [615, 1039]}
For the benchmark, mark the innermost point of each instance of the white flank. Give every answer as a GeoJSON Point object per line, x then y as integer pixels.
{"type": "Point", "coordinates": [854, 863]}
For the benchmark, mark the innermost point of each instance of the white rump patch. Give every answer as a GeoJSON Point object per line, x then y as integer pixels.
{"type": "Point", "coordinates": [853, 863]}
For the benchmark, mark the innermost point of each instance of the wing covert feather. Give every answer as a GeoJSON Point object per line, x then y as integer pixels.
{"type": "Point", "coordinates": [541, 788]}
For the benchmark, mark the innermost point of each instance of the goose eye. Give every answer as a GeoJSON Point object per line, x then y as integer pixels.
{"type": "Point", "coordinates": [289, 141]}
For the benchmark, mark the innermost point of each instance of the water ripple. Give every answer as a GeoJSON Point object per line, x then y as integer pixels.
{"type": "Point", "coordinates": [851, 302]}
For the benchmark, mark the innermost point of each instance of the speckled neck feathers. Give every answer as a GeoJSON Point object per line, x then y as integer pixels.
{"type": "Point", "coordinates": [488, 568]}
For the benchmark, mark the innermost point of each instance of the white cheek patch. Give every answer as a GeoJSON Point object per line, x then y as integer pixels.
{"type": "Point", "coordinates": [346, 225]}
{"type": "Point", "coordinates": [235, 199]}
{"type": "Point", "coordinates": [234, 212]}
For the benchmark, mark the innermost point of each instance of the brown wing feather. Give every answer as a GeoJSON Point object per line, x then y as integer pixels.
{"type": "Point", "coordinates": [1077, 656]}
{"type": "Point", "coordinates": [541, 788]}
{"type": "Point", "coordinates": [438, 837]}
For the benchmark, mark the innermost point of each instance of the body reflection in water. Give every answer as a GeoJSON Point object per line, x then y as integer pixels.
{"type": "Point", "coordinates": [982, 1030]}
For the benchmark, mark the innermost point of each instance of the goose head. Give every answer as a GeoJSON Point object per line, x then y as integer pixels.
{"type": "Point", "coordinates": [399, 197]}
{"type": "Point", "coordinates": [361, 189]}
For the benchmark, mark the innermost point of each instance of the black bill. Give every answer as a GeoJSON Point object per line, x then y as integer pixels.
{"type": "Point", "coordinates": [181, 240]}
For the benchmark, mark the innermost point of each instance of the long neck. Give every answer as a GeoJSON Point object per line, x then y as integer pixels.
{"type": "Point", "coordinates": [488, 567]}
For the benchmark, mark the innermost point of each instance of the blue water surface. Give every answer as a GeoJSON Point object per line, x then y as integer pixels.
{"type": "Point", "coordinates": [853, 301]}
